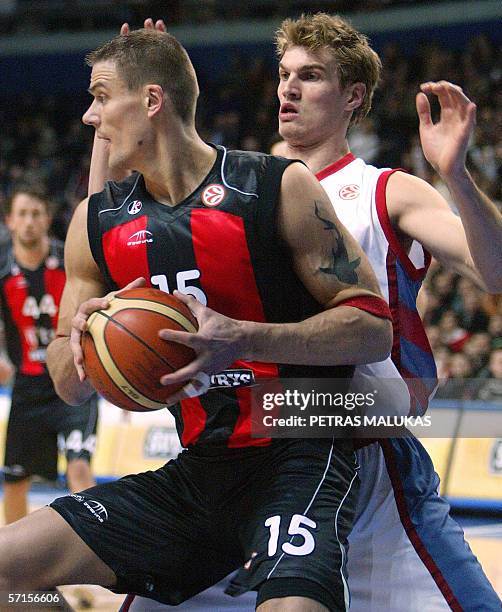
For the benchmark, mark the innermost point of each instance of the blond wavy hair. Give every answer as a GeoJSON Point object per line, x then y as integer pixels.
{"type": "Point", "coordinates": [356, 61]}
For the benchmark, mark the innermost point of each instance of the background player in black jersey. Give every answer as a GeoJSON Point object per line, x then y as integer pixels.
{"type": "Point", "coordinates": [31, 284]}
{"type": "Point", "coordinates": [171, 533]}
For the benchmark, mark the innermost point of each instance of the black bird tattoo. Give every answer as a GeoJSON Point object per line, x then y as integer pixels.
{"type": "Point", "coordinates": [341, 267]}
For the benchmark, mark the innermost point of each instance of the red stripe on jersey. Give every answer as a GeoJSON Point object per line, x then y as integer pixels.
{"type": "Point", "coordinates": [221, 253]}
{"type": "Point", "coordinates": [394, 242]}
{"type": "Point", "coordinates": [332, 168]}
{"type": "Point", "coordinates": [241, 435]}
{"type": "Point", "coordinates": [54, 281]}
{"type": "Point", "coordinates": [16, 294]}
{"type": "Point", "coordinates": [369, 303]}
{"type": "Point", "coordinates": [194, 420]}
{"type": "Point", "coordinates": [411, 323]}
{"type": "Point", "coordinates": [410, 529]}
{"type": "Point", "coordinates": [133, 237]}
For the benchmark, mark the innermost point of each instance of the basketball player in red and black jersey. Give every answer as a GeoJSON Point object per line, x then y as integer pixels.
{"type": "Point", "coordinates": [31, 284]}
{"type": "Point", "coordinates": [278, 291]}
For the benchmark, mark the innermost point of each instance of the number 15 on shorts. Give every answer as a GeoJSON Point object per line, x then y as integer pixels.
{"type": "Point", "coordinates": [297, 527]}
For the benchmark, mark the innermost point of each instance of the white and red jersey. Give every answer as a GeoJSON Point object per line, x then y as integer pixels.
{"type": "Point", "coordinates": [358, 194]}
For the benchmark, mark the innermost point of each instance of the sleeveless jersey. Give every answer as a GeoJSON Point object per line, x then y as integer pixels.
{"type": "Point", "coordinates": [220, 245]}
{"type": "Point", "coordinates": [30, 304]}
{"type": "Point", "coordinates": [357, 192]}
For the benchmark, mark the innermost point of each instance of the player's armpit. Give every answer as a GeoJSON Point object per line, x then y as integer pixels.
{"type": "Point", "coordinates": [417, 211]}
{"type": "Point", "coordinates": [327, 259]}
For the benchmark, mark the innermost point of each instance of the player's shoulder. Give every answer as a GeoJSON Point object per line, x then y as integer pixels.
{"type": "Point", "coordinates": [251, 172]}
{"type": "Point", "coordinates": [115, 192]}
{"type": "Point", "coordinates": [239, 161]}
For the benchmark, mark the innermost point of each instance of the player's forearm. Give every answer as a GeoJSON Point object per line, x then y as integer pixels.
{"type": "Point", "coordinates": [339, 336]}
{"type": "Point", "coordinates": [482, 223]}
{"type": "Point", "coordinates": [64, 375]}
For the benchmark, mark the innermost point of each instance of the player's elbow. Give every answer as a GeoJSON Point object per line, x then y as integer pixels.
{"type": "Point", "coordinates": [70, 395]}
{"type": "Point", "coordinates": [378, 339]}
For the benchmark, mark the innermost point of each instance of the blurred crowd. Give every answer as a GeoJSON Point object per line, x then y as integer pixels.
{"type": "Point", "coordinates": [28, 16]}
{"type": "Point", "coordinates": [44, 141]}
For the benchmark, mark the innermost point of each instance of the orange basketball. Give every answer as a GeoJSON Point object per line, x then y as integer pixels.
{"type": "Point", "coordinates": [124, 356]}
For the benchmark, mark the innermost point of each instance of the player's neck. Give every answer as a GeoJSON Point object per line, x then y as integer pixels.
{"type": "Point", "coordinates": [31, 256]}
{"type": "Point", "coordinates": [319, 155]}
{"type": "Point", "coordinates": [178, 167]}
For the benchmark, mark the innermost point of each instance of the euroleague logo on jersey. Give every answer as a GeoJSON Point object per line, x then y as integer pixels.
{"type": "Point", "coordinates": [349, 192]}
{"type": "Point", "coordinates": [213, 195]}
{"type": "Point", "coordinates": [135, 207]}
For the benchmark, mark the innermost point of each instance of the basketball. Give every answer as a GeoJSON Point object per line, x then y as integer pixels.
{"type": "Point", "coordinates": [124, 357]}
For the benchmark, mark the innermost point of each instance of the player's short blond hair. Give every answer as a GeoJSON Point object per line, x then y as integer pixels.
{"type": "Point", "coordinates": [356, 61]}
{"type": "Point", "coordinates": [149, 56]}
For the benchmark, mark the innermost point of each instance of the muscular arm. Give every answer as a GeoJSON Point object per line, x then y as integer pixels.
{"type": "Point", "coordinates": [333, 268]}
{"type": "Point", "coordinates": [83, 281]}
{"type": "Point", "coordinates": [470, 244]}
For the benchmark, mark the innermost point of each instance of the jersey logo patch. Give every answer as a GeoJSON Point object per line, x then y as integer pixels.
{"type": "Point", "coordinates": [95, 508]}
{"type": "Point", "coordinates": [141, 237]}
{"type": "Point", "coordinates": [232, 378]}
{"type": "Point", "coordinates": [349, 192]}
{"type": "Point", "coordinates": [213, 195]}
{"type": "Point", "coordinates": [135, 207]}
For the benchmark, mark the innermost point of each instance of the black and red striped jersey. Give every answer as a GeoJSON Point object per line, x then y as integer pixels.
{"type": "Point", "coordinates": [30, 305]}
{"type": "Point", "coordinates": [221, 245]}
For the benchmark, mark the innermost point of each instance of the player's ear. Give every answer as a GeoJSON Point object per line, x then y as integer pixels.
{"type": "Point", "coordinates": [154, 99]}
{"type": "Point", "coordinates": [356, 93]}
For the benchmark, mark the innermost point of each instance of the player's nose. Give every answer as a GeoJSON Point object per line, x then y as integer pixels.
{"type": "Point", "coordinates": [291, 90]}
{"type": "Point", "coordinates": [91, 117]}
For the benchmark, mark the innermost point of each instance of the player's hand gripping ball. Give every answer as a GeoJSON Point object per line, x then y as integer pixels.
{"type": "Point", "coordinates": [124, 357]}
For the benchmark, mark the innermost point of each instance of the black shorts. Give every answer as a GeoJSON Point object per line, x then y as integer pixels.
{"type": "Point", "coordinates": [278, 512]}
{"type": "Point", "coordinates": [37, 429]}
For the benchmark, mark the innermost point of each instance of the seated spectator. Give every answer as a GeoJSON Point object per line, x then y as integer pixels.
{"type": "Point", "coordinates": [452, 335]}
{"type": "Point", "coordinates": [468, 305]}
{"type": "Point", "coordinates": [477, 348]}
{"type": "Point", "coordinates": [459, 385]}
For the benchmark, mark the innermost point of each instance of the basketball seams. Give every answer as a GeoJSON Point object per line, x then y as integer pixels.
{"type": "Point", "coordinates": [110, 367]}
{"type": "Point", "coordinates": [134, 335]}
{"type": "Point", "coordinates": [135, 320]}
{"type": "Point", "coordinates": [152, 306]}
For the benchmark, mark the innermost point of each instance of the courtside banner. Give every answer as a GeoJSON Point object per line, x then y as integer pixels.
{"type": "Point", "coordinates": [366, 408]}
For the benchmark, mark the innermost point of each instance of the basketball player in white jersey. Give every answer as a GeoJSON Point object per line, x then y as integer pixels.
{"type": "Point", "coordinates": [406, 553]}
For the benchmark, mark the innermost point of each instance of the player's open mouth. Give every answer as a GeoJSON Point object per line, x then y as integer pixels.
{"type": "Point", "coordinates": [287, 111]}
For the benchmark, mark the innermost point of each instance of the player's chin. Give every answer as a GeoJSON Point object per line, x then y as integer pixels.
{"type": "Point", "coordinates": [291, 132]}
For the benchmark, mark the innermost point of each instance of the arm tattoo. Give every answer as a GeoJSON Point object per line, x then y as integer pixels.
{"type": "Point", "coordinates": [341, 267]}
